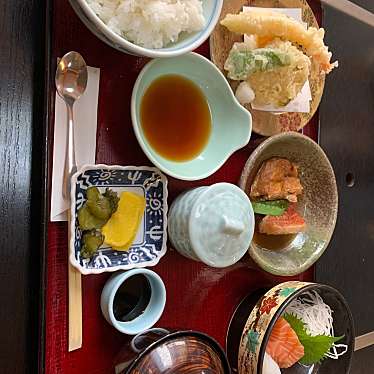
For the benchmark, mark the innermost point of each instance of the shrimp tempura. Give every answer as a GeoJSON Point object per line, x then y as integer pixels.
{"type": "Point", "coordinates": [271, 24]}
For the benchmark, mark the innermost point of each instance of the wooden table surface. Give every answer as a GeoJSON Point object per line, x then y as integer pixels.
{"type": "Point", "coordinates": [22, 119]}
{"type": "Point", "coordinates": [22, 38]}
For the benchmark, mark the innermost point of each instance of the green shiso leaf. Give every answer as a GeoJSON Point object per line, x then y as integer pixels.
{"type": "Point", "coordinates": [271, 208]}
{"type": "Point", "coordinates": [315, 347]}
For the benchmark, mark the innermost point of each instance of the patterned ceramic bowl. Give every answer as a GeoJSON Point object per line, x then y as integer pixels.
{"type": "Point", "coordinates": [255, 317]}
{"type": "Point", "coordinates": [318, 203]}
{"type": "Point", "coordinates": [150, 242]}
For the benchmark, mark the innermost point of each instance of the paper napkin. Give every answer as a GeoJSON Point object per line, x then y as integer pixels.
{"type": "Point", "coordinates": [85, 125]}
{"type": "Point", "coordinates": [301, 103]}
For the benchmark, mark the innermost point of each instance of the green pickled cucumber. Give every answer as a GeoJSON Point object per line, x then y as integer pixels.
{"type": "Point", "coordinates": [91, 242]}
{"type": "Point", "coordinates": [100, 208]}
{"type": "Point", "coordinates": [93, 215]}
{"type": "Point", "coordinates": [93, 193]}
{"type": "Point", "coordinates": [113, 199]}
{"type": "Point", "coordinates": [87, 221]}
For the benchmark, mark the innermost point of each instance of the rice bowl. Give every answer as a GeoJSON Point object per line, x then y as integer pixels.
{"type": "Point", "coordinates": [186, 42]}
{"type": "Point", "coordinates": [150, 23]}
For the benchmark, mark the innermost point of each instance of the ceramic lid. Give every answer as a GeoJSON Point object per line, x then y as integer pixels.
{"type": "Point", "coordinates": [221, 225]}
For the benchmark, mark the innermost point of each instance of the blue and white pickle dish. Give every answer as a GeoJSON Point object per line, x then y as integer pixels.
{"type": "Point", "coordinates": [213, 224]}
{"type": "Point", "coordinates": [150, 242]}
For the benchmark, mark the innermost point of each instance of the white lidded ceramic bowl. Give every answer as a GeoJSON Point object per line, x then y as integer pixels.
{"type": "Point", "coordinates": [185, 43]}
{"type": "Point", "coordinates": [212, 224]}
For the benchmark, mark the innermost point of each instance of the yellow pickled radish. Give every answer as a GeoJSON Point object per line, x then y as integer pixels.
{"type": "Point", "coordinates": [121, 228]}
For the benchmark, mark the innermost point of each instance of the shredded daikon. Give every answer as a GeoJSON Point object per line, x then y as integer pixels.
{"type": "Point", "coordinates": [317, 316]}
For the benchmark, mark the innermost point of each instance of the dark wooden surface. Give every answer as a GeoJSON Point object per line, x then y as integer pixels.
{"type": "Point", "coordinates": [21, 138]}
{"type": "Point", "coordinates": [363, 361]}
{"type": "Point", "coordinates": [347, 136]}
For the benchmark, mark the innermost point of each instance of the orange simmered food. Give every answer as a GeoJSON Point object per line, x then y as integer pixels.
{"type": "Point", "coordinates": [277, 179]}
{"type": "Point", "coordinates": [274, 194]}
{"type": "Point", "coordinates": [290, 222]}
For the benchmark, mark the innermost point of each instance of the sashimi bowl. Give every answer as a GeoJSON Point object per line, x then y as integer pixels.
{"type": "Point", "coordinates": [290, 166]}
{"type": "Point", "coordinates": [292, 328]}
{"type": "Point", "coordinates": [148, 243]}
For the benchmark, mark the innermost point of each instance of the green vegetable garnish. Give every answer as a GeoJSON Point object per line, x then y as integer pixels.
{"type": "Point", "coordinates": [113, 199]}
{"type": "Point", "coordinates": [93, 215]}
{"type": "Point", "coordinates": [98, 208]}
{"type": "Point", "coordinates": [270, 208]}
{"type": "Point", "coordinates": [242, 63]}
{"type": "Point", "coordinates": [91, 241]}
{"type": "Point", "coordinates": [315, 347]}
{"type": "Point", "coordinates": [93, 193]}
{"type": "Point", "coordinates": [87, 221]}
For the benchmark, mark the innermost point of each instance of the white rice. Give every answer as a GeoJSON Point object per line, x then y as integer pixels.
{"type": "Point", "coordinates": [150, 23]}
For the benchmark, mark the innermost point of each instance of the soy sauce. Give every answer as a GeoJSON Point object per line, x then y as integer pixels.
{"type": "Point", "coordinates": [175, 118]}
{"type": "Point", "coordinates": [132, 298]}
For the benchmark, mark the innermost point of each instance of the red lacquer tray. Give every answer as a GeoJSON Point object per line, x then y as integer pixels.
{"type": "Point", "coordinates": [198, 297]}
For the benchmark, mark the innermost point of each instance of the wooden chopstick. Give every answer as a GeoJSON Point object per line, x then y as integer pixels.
{"type": "Point", "coordinates": [75, 308]}
{"type": "Point", "coordinates": [352, 10]}
{"type": "Point", "coordinates": [364, 341]}
{"type": "Point", "coordinates": [75, 301]}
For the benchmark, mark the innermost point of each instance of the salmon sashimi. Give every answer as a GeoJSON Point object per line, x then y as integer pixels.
{"type": "Point", "coordinates": [284, 346]}
{"type": "Point", "coordinates": [290, 222]}
{"type": "Point", "coordinates": [277, 179]}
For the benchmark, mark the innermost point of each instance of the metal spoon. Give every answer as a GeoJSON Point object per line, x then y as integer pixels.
{"type": "Point", "coordinates": [71, 82]}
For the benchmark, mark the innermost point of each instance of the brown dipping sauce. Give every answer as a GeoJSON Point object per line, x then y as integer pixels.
{"type": "Point", "coordinates": [271, 242]}
{"type": "Point", "coordinates": [132, 298]}
{"type": "Point", "coordinates": [175, 118]}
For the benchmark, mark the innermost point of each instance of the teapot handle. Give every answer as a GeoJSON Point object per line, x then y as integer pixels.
{"type": "Point", "coordinates": [145, 338]}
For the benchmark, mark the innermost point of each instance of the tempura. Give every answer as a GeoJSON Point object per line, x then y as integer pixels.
{"type": "Point", "coordinates": [271, 25]}
{"type": "Point", "coordinates": [275, 73]}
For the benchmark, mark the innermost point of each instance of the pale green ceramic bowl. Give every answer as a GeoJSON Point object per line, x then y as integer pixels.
{"type": "Point", "coordinates": [231, 123]}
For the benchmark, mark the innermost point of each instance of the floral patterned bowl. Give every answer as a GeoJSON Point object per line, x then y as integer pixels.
{"type": "Point", "coordinates": [253, 320]}
{"type": "Point", "coordinates": [150, 242]}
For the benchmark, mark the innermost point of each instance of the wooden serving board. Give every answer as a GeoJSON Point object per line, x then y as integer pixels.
{"type": "Point", "coordinates": [221, 42]}
{"type": "Point", "coordinates": [198, 297]}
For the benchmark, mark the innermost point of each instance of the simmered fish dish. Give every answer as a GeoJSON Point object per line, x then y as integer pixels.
{"type": "Point", "coordinates": [274, 194]}
{"type": "Point", "coordinates": [277, 179]}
